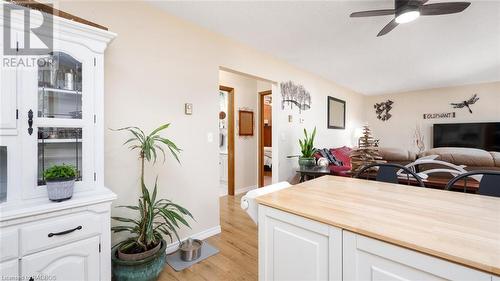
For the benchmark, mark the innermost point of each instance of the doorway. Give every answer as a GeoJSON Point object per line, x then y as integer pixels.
{"type": "Point", "coordinates": [266, 138]}
{"type": "Point", "coordinates": [226, 140]}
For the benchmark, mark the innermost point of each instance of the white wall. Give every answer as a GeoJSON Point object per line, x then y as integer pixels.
{"type": "Point", "coordinates": [155, 65]}
{"type": "Point", "coordinates": [263, 86]}
{"type": "Point", "coordinates": [408, 110]}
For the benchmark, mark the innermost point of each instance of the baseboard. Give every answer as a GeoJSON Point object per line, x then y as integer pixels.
{"type": "Point", "coordinates": [200, 235]}
{"type": "Point", "coordinates": [245, 189]}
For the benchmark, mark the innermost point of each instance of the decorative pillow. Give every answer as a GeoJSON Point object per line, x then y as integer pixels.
{"type": "Point", "coordinates": [342, 154]}
{"type": "Point", "coordinates": [331, 158]}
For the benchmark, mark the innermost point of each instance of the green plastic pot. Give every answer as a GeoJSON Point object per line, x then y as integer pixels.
{"type": "Point", "coordinates": [307, 161]}
{"type": "Point", "coordinates": [146, 269]}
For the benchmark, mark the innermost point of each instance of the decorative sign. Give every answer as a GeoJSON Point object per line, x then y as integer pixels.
{"type": "Point", "coordinates": [382, 110]}
{"type": "Point", "coordinates": [295, 95]}
{"type": "Point", "coordinates": [439, 115]}
{"type": "Point", "coordinates": [466, 103]}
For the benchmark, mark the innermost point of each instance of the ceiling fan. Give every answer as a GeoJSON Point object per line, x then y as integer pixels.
{"type": "Point", "coordinates": [409, 10]}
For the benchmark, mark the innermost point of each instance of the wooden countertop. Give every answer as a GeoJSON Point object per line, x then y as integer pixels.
{"type": "Point", "coordinates": [462, 228]}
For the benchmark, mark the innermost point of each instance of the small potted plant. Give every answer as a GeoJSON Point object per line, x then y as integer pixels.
{"type": "Point", "coordinates": [60, 181]}
{"type": "Point", "coordinates": [307, 149]}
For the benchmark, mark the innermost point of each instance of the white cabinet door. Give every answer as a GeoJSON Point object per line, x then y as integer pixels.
{"type": "Point", "coordinates": [368, 259]}
{"type": "Point", "coordinates": [295, 248]}
{"type": "Point", "coordinates": [9, 270]}
{"type": "Point", "coordinates": [58, 98]}
{"type": "Point", "coordinates": [8, 91]}
{"type": "Point", "coordinates": [77, 261]}
{"type": "Point", "coordinates": [8, 99]}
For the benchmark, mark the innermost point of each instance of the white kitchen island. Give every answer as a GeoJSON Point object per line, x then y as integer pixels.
{"type": "Point", "coordinates": [336, 228]}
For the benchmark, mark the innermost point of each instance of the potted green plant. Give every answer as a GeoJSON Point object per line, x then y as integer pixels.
{"type": "Point", "coordinates": [307, 149]}
{"type": "Point", "coordinates": [60, 181]}
{"type": "Point", "coordinates": [141, 256]}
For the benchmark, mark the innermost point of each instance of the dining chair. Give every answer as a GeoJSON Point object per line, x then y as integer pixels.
{"type": "Point", "coordinates": [388, 172]}
{"type": "Point", "coordinates": [489, 184]}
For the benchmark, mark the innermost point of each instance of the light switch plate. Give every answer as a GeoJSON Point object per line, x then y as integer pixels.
{"type": "Point", "coordinates": [188, 108]}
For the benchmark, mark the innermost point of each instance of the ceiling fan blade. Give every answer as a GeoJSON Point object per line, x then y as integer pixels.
{"type": "Point", "coordinates": [443, 8]}
{"type": "Point", "coordinates": [373, 13]}
{"type": "Point", "coordinates": [390, 26]}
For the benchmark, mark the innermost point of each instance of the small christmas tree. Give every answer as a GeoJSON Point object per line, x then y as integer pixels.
{"type": "Point", "coordinates": [366, 153]}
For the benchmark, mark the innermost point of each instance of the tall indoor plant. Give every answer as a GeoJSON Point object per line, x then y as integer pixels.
{"type": "Point", "coordinates": [142, 255]}
{"type": "Point", "coordinates": [307, 149]}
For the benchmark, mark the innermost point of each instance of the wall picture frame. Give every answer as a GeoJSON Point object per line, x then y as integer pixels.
{"type": "Point", "coordinates": [245, 123]}
{"type": "Point", "coordinates": [336, 109]}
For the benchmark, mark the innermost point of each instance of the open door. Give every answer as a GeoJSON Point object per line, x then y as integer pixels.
{"type": "Point", "coordinates": [265, 138]}
{"type": "Point", "coordinates": [230, 138]}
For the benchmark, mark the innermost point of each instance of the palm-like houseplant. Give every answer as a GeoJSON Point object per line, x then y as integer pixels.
{"type": "Point", "coordinates": [307, 149]}
{"type": "Point", "coordinates": [157, 218]}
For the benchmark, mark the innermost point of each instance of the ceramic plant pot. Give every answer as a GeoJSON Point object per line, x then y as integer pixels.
{"type": "Point", "coordinates": [139, 256]}
{"type": "Point", "coordinates": [307, 161]}
{"type": "Point", "coordinates": [146, 269]}
{"type": "Point", "coordinates": [60, 190]}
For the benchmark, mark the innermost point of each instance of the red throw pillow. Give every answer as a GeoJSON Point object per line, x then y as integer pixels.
{"type": "Point", "coordinates": [342, 153]}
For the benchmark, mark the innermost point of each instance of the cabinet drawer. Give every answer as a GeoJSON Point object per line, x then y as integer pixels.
{"type": "Point", "coordinates": [54, 232]}
{"type": "Point", "coordinates": [9, 244]}
{"type": "Point", "coordinates": [368, 259]}
{"type": "Point", "coordinates": [9, 270]}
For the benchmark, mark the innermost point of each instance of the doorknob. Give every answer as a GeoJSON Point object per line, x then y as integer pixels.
{"type": "Point", "coordinates": [30, 122]}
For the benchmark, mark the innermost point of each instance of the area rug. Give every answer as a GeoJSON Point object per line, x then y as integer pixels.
{"type": "Point", "coordinates": [174, 260]}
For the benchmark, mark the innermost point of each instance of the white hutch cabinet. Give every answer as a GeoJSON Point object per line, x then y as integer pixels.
{"type": "Point", "coordinates": [51, 112]}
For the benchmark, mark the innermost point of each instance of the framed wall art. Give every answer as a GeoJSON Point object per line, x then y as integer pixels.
{"type": "Point", "coordinates": [245, 122]}
{"type": "Point", "coordinates": [335, 113]}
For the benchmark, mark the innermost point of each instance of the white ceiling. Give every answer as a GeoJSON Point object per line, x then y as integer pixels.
{"type": "Point", "coordinates": [431, 52]}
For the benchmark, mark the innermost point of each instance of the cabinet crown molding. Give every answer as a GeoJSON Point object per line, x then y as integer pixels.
{"type": "Point", "coordinates": [63, 29]}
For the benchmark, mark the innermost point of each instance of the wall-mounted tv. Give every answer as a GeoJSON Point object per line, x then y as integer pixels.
{"type": "Point", "coordinates": [475, 135]}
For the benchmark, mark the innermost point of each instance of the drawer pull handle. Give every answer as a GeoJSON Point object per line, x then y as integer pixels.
{"type": "Point", "coordinates": [66, 231]}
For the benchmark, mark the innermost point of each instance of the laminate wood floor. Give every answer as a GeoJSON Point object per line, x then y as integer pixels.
{"type": "Point", "coordinates": [237, 259]}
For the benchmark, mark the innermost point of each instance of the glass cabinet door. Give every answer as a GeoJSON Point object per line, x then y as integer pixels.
{"type": "Point", "coordinates": [59, 97]}
{"type": "Point", "coordinates": [58, 146]}
{"type": "Point", "coordinates": [60, 87]}
{"type": "Point", "coordinates": [61, 115]}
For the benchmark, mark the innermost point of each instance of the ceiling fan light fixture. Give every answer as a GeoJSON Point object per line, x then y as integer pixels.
{"type": "Point", "coordinates": [407, 16]}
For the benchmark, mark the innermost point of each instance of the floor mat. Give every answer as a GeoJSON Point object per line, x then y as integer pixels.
{"type": "Point", "coordinates": [174, 260]}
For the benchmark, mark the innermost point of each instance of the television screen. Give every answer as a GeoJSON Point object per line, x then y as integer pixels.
{"type": "Point", "coordinates": [474, 135]}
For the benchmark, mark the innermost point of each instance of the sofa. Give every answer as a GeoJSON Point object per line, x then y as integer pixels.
{"type": "Point", "coordinates": [474, 159]}
{"type": "Point", "coordinates": [397, 156]}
